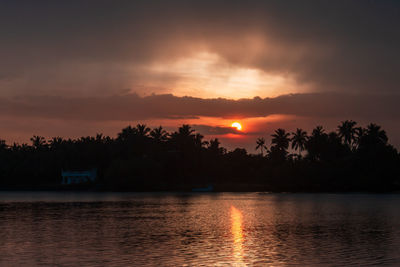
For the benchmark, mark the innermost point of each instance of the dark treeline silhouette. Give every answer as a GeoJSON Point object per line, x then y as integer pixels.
{"type": "Point", "coordinates": [143, 159]}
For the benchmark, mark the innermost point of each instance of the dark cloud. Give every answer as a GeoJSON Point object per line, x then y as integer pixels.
{"type": "Point", "coordinates": [100, 45]}
{"type": "Point", "coordinates": [133, 107]}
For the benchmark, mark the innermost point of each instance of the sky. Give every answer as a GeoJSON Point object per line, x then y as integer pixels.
{"type": "Point", "coordinates": [77, 68]}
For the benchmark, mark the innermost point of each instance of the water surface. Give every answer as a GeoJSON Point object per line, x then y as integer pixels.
{"type": "Point", "coordinates": [227, 229]}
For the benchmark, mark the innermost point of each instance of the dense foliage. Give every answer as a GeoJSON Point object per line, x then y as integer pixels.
{"type": "Point", "coordinates": [350, 159]}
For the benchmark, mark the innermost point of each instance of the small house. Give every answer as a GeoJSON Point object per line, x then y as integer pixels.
{"type": "Point", "coordinates": [78, 177]}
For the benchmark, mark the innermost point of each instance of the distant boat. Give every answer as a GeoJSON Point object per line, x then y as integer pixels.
{"type": "Point", "coordinates": [209, 188]}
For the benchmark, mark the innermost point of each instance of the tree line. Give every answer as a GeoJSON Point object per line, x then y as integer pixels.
{"type": "Point", "coordinates": [351, 158]}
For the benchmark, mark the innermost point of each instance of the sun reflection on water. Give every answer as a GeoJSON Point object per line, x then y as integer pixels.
{"type": "Point", "coordinates": [237, 233]}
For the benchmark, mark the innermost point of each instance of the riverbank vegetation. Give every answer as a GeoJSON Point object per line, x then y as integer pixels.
{"type": "Point", "coordinates": [351, 158]}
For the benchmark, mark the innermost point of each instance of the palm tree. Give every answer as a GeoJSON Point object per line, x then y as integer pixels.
{"type": "Point", "coordinates": [15, 147]}
{"type": "Point", "coordinates": [159, 134]}
{"type": "Point", "coordinates": [360, 133]}
{"type": "Point", "coordinates": [127, 133]}
{"type": "Point", "coordinates": [198, 140]}
{"type": "Point", "coordinates": [184, 137]}
{"type": "Point", "coordinates": [25, 147]}
{"type": "Point", "coordinates": [38, 142]}
{"type": "Point", "coordinates": [316, 143]}
{"type": "Point", "coordinates": [280, 139]}
{"type": "Point", "coordinates": [347, 132]}
{"type": "Point", "coordinates": [186, 131]}
{"type": "Point", "coordinates": [261, 145]}
{"type": "Point", "coordinates": [55, 142]}
{"type": "Point", "coordinates": [214, 147]}
{"type": "Point", "coordinates": [299, 140]}
{"type": "Point", "coordinates": [100, 138]}
{"type": "Point", "coordinates": [318, 131]}
{"type": "Point", "coordinates": [375, 133]}
{"type": "Point", "coordinates": [3, 145]}
{"type": "Point", "coordinates": [373, 140]}
{"type": "Point", "coordinates": [142, 130]}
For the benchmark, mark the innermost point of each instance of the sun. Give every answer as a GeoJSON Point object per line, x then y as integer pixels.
{"type": "Point", "coordinates": [237, 125]}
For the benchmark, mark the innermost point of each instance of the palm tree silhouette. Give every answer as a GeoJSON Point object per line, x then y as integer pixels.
{"type": "Point", "coordinates": [214, 147]}
{"type": "Point", "coordinates": [316, 143]}
{"type": "Point", "coordinates": [261, 145]}
{"type": "Point", "coordinates": [127, 133]}
{"type": "Point", "coordinates": [375, 134]}
{"type": "Point", "coordinates": [3, 144]}
{"type": "Point", "coordinates": [280, 139]}
{"type": "Point", "coordinates": [198, 140]}
{"type": "Point", "coordinates": [55, 142]}
{"type": "Point", "coordinates": [360, 133]}
{"type": "Point", "coordinates": [142, 130]}
{"type": "Point", "coordinates": [186, 131]}
{"type": "Point", "coordinates": [159, 134]}
{"type": "Point", "coordinates": [347, 132]}
{"type": "Point", "coordinates": [184, 137]}
{"type": "Point", "coordinates": [299, 140]}
{"type": "Point", "coordinates": [318, 131]}
{"type": "Point", "coordinates": [38, 142]}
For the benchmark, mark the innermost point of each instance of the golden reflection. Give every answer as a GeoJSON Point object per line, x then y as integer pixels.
{"type": "Point", "coordinates": [237, 232]}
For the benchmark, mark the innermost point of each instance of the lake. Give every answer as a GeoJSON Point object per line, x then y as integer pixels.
{"type": "Point", "coordinates": [202, 229]}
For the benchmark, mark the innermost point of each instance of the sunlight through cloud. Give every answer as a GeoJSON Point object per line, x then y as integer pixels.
{"type": "Point", "coordinates": [208, 75]}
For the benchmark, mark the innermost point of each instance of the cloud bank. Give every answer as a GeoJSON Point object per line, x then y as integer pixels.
{"type": "Point", "coordinates": [99, 47]}
{"type": "Point", "coordinates": [132, 107]}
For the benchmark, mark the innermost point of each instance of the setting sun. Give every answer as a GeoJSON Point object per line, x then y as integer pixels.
{"type": "Point", "coordinates": [237, 125]}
